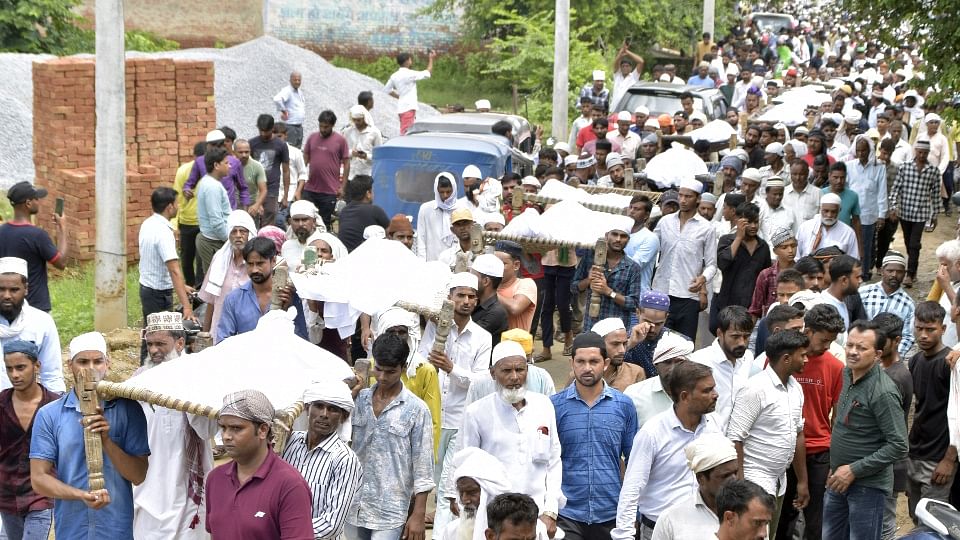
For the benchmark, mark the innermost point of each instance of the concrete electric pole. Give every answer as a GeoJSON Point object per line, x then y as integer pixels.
{"type": "Point", "coordinates": [708, 7]}
{"type": "Point", "coordinates": [561, 70]}
{"type": "Point", "coordinates": [110, 287]}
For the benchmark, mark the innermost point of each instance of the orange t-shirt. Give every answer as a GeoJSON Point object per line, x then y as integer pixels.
{"type": "Point", "coordinates": [526, 287]}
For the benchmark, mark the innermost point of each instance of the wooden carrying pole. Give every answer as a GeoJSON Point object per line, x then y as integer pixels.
{"type": "Point", "coordinates": [444, 322]}
{"type": "Point", "coordinates": [92, 444]}
{"type": "Point", "coordinates": [600, 263]}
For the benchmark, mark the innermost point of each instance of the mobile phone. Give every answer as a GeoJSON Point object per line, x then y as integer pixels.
{"type": "Point", "coordinates": [59, 206]}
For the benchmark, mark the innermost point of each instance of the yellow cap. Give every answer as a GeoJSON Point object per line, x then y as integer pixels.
{"type": "Point", "coordinates": [520, 336]}
{"type": "Point", "coordinates": [461, 214]}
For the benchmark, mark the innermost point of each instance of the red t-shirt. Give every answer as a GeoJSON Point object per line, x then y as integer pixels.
{"type": "Point", "coordinates": [326, 155]}
{"type": "Point", "coordinates": [822, 381]}
{"type": "Point", "coordinates": [585, 135]}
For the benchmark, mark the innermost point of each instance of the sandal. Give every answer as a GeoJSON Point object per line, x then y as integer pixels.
{"type": "Point", "coordinates": [542, 358]}
{"type": "Point", "coordinates": [908, 282]}
{"type": "Point", "coordinates": [568, 348]}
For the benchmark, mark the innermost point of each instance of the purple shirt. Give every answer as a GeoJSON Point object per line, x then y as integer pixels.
{"type": "Point", "coordinates": [274, 504]}
{"type": "Point", "coordinates": [232, 182]}
{"type": "Point", "coordinates": [326, 155]}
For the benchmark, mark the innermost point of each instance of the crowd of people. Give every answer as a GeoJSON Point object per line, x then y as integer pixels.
{"type": "Point", "coordinates": [791, 419]}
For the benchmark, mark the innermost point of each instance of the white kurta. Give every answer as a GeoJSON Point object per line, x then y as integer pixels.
{"type": "Point", "coordinates": [162, 507]}
{"type": "Point", "coordinates": [730, 378]}
{"type": "Point", "coordinates": [42, 331]}
{"type": "Point", "coordinates": [840, 235]}
{"type": "Point", "coordinates": [517, 439]}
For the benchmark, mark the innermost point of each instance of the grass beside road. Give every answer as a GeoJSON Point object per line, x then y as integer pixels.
{"type": "Point", "coordinates": [72, 297]}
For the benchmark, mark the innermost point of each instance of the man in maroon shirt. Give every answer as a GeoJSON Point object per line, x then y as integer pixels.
{"type": "Point", "coordinates": [257, 495]}
{"type": "Point", "coordinates": [23, 511]}
{"type": "Point", "coordinates": [327, 158]}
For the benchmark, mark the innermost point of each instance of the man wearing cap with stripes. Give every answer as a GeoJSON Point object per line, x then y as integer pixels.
{"type": "Point", "coordinates": [520, 429]}
{"type": "Point", "coordinates": [596, 425]}
{"type": "Point", "coordinates": [21, 321]}
{"type": "Point", "coordinates": [688, 259]}
{"type": "Point", "coordinates": [827, 230]}
{"type": "Point", "coordinates": [887, 295]}
{"type": "Point", "coordinates": [913, 200]}
{"type": "Point", "coordinates": [58, 468]}
{"type": "Point", "coordinates": [466, 354]}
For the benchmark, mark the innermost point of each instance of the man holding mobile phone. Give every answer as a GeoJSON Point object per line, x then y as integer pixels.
{"type": "Point", "coordinates": [19, 237]}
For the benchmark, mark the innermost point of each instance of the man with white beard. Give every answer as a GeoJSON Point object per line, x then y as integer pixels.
{"type": "Point", "coordinates": [170, 502]}
{"type": "Point", "coordinates": [519, 429]}
{"type": "Point", "coordinates": [480, 477]}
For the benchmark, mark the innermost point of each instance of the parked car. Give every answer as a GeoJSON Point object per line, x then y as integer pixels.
{"type": "Point", "coordinates": [773, 22]}
{"type": "Point", "coordinates": [477, 123]}
{"type": "Point", "coordinates": [404, 167]}
{"type": "Point", "coordinates": [663, 98]}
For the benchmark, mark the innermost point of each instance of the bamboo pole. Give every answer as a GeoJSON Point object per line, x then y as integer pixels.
{"type": "Point", "coordinates": [538, 243]}
{"type": "Point", "coordinates": [605, 208]}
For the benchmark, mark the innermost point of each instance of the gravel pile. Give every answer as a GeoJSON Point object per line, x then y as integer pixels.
{"type": "Point", "coordinates": [247, 77]}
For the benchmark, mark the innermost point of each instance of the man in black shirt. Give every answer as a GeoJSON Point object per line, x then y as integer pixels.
{"type": "Point", "coordinates": [20, 238]}
{"type": "Point", "coordinates": [272, 153]}
{"type": "Point", "coordinates": [360, 212]}
{"type": "Point", "coordinates": [932, 460]}
{"type": "Point", "coordinates": [489, 314]}
{"type": "Point", "coordinates": [741, 256]}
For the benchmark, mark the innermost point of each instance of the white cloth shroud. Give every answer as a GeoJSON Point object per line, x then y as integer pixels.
{"type": "Point", "coordinates": [372, 278]}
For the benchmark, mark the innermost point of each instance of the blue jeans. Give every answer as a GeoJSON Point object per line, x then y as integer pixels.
{"type": "Point", "coordinates": [33, 526]}
{"type": "Point", "coordinates": [360, 533]}
{"type": "Point", "coordinates": [854, 515]}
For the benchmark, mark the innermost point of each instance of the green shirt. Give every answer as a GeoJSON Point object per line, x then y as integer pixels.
{"type": "Point", "coordinates": [869, 433]}
{"type": "Point", "coordinates": [254, 174]}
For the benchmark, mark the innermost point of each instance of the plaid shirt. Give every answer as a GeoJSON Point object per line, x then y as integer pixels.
{"type": "Point", "coordinates": [624, 279]}
{"type": "Point", "coordinates": [915, 194]}
{"type": "Point", "coordinates": [765, 292]}
{"type": "Point", "coordinates": [602, 99]}
{"type": "Point", "coordinates": [876, 300]}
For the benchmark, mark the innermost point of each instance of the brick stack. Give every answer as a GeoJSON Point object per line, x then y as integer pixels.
{"type": "Point", "coordinates": [170, 106]}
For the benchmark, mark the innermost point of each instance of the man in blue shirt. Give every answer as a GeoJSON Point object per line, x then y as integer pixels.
{"type": "Point", "coordinates": [244, 306]}
{"type": "Point", "coordinates": [596, 425]}
{"type": "Point", "coordinates": [58, 467]}
{"type": "Point", "coordinates": [213, 208]}
{"type": "Point", "coordinates": [702, 76]}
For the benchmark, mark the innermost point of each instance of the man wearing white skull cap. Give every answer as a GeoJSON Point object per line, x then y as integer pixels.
{"type": "Point", "coordinates": [826, 230]}
{"type": "Point", "coordinates": [519, 428]}
{"type": "Point", "coordinates": [59, 471]}
{"type": "Point", "coordinates": [713, 459]}
{"type": "Point", "coordinates": [466, 354]}
{"type": "Point", "coordinates": [322, 456]}
{"type": "Point", "coordinates": [20, 320]}
{"type": "Point", "coordinates": [595, 92]}
{"type": "Point", "coordinates": [303, 223]}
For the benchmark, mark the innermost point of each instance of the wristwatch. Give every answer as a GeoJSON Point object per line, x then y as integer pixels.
{"type": "Point", "coordinates": [613, 295]}
{"type": "Point", "coordinates": [551, 515]}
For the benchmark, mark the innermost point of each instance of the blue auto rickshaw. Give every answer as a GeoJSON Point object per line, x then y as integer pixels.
{"type": "Point", "coordinates": [404, 167]}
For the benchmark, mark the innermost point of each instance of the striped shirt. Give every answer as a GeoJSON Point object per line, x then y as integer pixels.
{"type": "Point", "coordinates": [333, 473]}
{"type": "Point", "coordinates": [876, 300]}
{"type": "Point", "coordinates": [157, 246]}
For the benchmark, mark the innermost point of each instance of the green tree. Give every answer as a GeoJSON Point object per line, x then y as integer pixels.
{"type": "Point", "coordinates": [930, 23]}
{"type": "Point", "coordinates": [40, 26]}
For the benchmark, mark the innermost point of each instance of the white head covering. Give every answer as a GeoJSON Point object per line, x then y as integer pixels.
{"type": "Point", "coordinates": [488, 264]}
{"type": "Point", "coordinates": [220, 263]}
{"type": "Point", "coordinates": [395, 316]}
{"type": "Point", "coordinates": [447, 206]}
{"type": "Point", "coordinates": [642, 110]}
{"type": "Point", "coordinates": [693, 185]}
{"type": "Point", "coordinates": [506, 349]}
{"type": "Point", "coordinates": [374, 231]}
{"type": "Point", "coordinates": [752, 174]}
{"type": "Point", "coordinates": [337, 248]}
{"type": "Point", "coordinates": [303, 207]}
{"type": "Point", "coordinates": [471, 171]}
{"type": "Point", "coordinates": [671, 346]}
{"type": "Point", "coordinates": [624, 116]}
{"type": "Point", "coordinates": [464, 279]}
{"type": "Point", "coordinates": [709, 450]}
{"type": "Point", "coordinates": [830, 198]}
{"type": "Point", "coordinates": [608, 325]}
{"type": "Point", "coordinates": [335, 393]}
{"type": "Point", "coordinates": [571, 159]}
{"type": "Point", "coordinates": [489, 473]}
{"type": "Point", "coordinates": [562, 147]}
{"type": "Point", "coordinates": [13, 265]}
{"type": "Point", "coordinates": [932, 117]}
{"type": "Point", "coordinates": [493, 217]}
{"type": "Point", "coordinates": [91, 341]}
{"type": "Point", "coordinates": [358, 111]}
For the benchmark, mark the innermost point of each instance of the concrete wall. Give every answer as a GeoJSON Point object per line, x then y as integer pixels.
{"type": "Point", "coordinates": [329, 27]}
{"type": "Point", "coordinates": [170, 105]}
